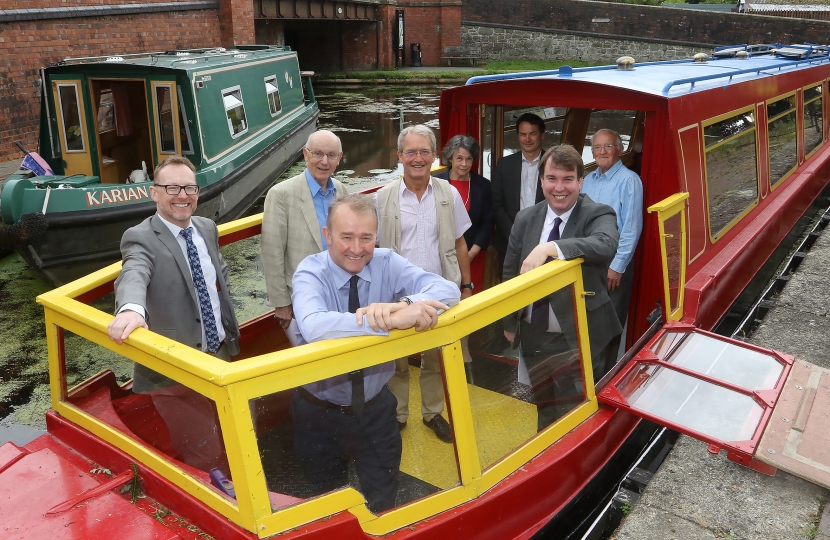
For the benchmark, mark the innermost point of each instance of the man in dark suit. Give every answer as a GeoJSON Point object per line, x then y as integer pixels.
{"type": "Point", "coordinates": [173, 281]}
{"type": "Point", "coordinates": [516, 180]}
{"type": "Point", "coordinates": [565, 226]}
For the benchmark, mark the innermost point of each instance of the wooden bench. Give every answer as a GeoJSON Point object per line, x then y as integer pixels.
{"type": "Point", "coordinates": [463, 52]}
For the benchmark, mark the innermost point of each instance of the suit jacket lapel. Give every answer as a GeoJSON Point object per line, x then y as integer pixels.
{"type": "Point", "coordinates": [310, 214]}
{"type": "Point", "coordinates": [570, 226]}
{"type": "Point", "coordinates": [172, 244]}
{"type": "Point", "coordinates": [534, 230]}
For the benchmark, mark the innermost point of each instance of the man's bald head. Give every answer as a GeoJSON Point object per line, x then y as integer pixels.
{"type": "Point", "coordinates": [322, 154]}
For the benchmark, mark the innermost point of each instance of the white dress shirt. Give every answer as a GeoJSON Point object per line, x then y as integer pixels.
{"type": "Point", "coordinates": [208, 271]}
{"type": "Point", "coordinates": [530, 181]}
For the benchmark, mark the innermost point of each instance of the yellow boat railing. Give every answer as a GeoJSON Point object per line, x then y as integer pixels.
{"type": "Point", "coordinates": [476, 464]}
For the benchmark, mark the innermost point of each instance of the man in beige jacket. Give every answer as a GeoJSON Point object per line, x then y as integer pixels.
{"type": "Point", "coordinates": [294, 216]}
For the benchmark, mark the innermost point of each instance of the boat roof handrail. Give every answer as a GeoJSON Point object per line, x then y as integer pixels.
{"type": "Point", "coordinates": [204, 51]}
{"type": "Point", "coordinates": [567, 71]}
{"type": "Point", "coordinates": [757, 70]}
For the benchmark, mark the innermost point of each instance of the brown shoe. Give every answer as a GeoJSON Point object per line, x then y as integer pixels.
{"type": "Point", "coordinates": [440, 427]}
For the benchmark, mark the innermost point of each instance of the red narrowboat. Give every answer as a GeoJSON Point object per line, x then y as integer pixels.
{"type": "Point", "coordinates": [731, 153]}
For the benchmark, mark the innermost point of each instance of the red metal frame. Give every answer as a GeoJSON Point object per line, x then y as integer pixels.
{"type": "Point", "coordinates": [739, 451]}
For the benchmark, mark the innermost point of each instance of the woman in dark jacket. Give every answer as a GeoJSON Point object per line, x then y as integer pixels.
{"type": "Point", "coordinates": [459, 155]}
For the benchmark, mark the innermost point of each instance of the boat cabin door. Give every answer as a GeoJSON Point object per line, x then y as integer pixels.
{"type": "Point", "coordinates": [767, 410]}
{"type": "Point", "coordinates": [71, 115]}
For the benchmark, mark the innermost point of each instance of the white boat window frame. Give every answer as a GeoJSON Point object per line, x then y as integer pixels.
{"type": "Point", "coordinates": [173, 121]}
{"type": "Point", "coordinates": [74, 87]}
{"type": "Point", "coordinates": [225, 92]}
{"type": "Point", "coordinates": [273, 79]}
{"type": "Point", "coordinates": [183, 114]}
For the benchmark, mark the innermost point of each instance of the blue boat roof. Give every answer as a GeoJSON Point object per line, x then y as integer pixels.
{"type": "Point", "coordinates": [670, 78]}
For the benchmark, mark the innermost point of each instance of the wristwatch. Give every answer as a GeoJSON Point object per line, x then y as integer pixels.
{"type": "Point", "coordinates": [405, 299]}
{"type": "Point", "coordinates": [467, 286]}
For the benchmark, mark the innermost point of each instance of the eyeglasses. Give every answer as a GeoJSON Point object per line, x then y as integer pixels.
{"type": "Point", "coordinates": [173, 189]}
{"type": "Point", "coordinates": [422, 153]}
{"type": "Point", "coordinates": [606, 147]}
{"type": "Point", "coordinates": [318, 155]}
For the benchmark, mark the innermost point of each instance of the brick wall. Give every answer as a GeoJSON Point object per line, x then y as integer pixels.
{"type": "Point", "coordinates": [27, 46]}
{"type": "Point", "coordinates": [434, 25]}
{"type": "Point", "coordinates": [359, 41]}
{"type": "Point", "coordinates": [638, 21]}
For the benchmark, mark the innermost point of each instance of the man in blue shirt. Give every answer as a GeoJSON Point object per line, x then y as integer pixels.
{"type": "Point", "coordinates": [612, 183]}
{"type": "Point", "coordinates": [293, 219]}
{"type": "Point", "coordinates": [354, 289]}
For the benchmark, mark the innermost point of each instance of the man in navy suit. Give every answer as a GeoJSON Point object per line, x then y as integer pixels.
{"type": "Point", "coordinates": [516, 180]}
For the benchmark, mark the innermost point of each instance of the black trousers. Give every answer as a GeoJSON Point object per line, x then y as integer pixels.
{"type": "Point", "coordinates": [326, 440]}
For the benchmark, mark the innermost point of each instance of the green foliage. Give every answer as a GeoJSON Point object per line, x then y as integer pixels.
{"type": "Point", "coordinates": [626, 508]}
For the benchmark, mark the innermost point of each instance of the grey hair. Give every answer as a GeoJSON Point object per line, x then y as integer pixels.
{"type": "Point", "coordinates": [460, 141]}
{"type": "Point", "coordinates": [308, 141]}
{"type": "Point", "coordinates": [358, 203]}
{"type": "Point", "coordinates": [612, 132]}
{"type": "Point", "coordinates": [417, 129]}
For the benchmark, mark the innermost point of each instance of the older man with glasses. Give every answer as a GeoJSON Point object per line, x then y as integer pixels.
{"type": "Point", "coordinates": [424, 219]}
{"type": "Point", "coordinates": [294, 216]}
{"type": "Point", "coordinates": [619, 187]}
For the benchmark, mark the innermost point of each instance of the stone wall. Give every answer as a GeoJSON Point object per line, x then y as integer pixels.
{"type": "Point", "coordinates": [507, 43]}
{"type": "Point", "coordinates": [638, 21]}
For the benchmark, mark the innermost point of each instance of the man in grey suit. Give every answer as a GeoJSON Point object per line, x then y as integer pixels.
{"type": "Point", "coordinates": [294, 216]}
{"type": "Point", "coordinates": [516, 180]}
{"type": "Point", "coordinates": [173, 281]}
{"type": "Point", "coordinates": [565, 226]}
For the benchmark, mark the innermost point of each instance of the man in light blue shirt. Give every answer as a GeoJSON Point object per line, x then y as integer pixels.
{"type": "Point", "coordinates": [350, 290]}
{"type": "Point", "coordinates": [612, 183]}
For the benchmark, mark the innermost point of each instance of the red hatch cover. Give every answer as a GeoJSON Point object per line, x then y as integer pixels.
{"type": "Point", "coordinates": [718, 390]}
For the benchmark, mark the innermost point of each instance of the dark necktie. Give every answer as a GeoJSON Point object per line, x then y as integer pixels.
{"type": "Point", "coordinates": [540, 315]}
{"type": "Point", "coordinates": [208, 320]}
{"type": "Point", "coordinates": [356, 377]}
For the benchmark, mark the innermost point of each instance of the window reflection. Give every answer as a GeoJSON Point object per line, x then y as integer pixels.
{"type": "Point", "coordinates": [71, 117]}
{"type": "Point", "coordinates": [731, 169]}
{"type": "Point", "coordinates": [783, 153]}
{"type": "Point", "coordinates": [813, 119]}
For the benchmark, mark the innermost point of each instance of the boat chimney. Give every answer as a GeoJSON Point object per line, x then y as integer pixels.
{"type": "Point", "coordinates": [701, 57]}
{"type": "Point", "coordinates": [741, 55]}
{"type": "Point", "coordinates": [625, 63]}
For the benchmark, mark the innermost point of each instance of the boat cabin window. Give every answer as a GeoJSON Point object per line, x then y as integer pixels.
{"type": "Point", "coordinates": [813, 118]}
{"type": "Point", "coordinates": [164, 100]}
{"type": "Point", "coordinates": [184, 126]}
{"type": "Point", "coordinates": [273, 93]}
{"type": "Point", "coordinates": [235, 111]}
{"type": "Point", "coordinates": [783, 151]}
{"type": "Point", "coordinates": [731, 168]}
{"type": "Point", "coordinates": [71, 118]}
{"type": "Point", "coordinates": [623, 122]}
{"type": "Point", "coordinates": [106, 112]}
{"type": "Point", "coordinates": [554, 118]}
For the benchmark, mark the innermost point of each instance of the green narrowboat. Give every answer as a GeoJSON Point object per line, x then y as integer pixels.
{"type": "Point", "coordinates": [241, 116]}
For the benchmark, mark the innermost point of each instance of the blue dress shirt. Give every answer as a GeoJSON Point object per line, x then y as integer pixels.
{"type": "Point", "coordinates": [621, 189]}
{"type": "Point", "coordinates": [321, 298]}
{"type": "Point", "coordinates": [321, 201]}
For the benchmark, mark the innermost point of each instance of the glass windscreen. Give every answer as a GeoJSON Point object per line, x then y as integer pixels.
{"type": "Point", "coordinates": [813, 119]}
{"type": "Point", "coordinates": [164, 104]}
{"type": "Point", "coordinates": [709, 409]}
{"type": "Point", "coordinates": [179, 424]}
{"type": "Point", "coordinates": [520, 383]}
{"type": "Point", "coordinates": [674, 262]}
{"type": "Point", "coordinates": [724, 361]}
{"type": "Point", "coordinates": [317, 438]}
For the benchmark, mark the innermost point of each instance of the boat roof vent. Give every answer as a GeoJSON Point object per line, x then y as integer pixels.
{"type": "Point", "coordinates": [701, 57]}
{"type": "Point", "coordinates": [182, 53]}
{"type": "Point", "coordinates": [240, 56]}
{"type": "Point", "coordinates": [115, 59]}
{"type": "Point", "coordinates": [741, 55]}
{"type": "Point", "coordinates": [625, 63]}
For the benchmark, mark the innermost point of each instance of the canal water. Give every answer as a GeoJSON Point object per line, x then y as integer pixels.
{"type": "Point", "coordinates": [368, 121]}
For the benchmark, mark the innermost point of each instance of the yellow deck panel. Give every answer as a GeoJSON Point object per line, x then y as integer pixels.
{"type": "Point", "coordinates": [501, 424]}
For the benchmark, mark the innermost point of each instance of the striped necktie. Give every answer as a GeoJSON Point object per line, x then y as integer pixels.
{"type": "Point", "coordinates": [208, 320]}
